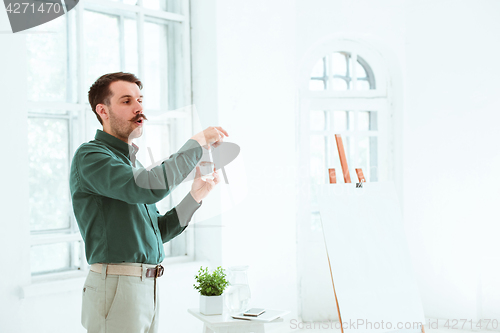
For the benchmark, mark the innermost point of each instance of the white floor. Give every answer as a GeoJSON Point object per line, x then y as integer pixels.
{"type": "Point", "coordinates": [288, 329]}
{"type": "Point", "coordinates": [287, 326]}
{"type": "Point", "coordinates": [311, 330]}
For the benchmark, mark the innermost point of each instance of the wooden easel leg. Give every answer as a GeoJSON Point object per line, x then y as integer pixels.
{"type": "Point", "coordinates": [343, 159]}
{"type": "Point", "coordinates": [361, 177]}
{"type": "Point", "coordinates": [334, 293]}
{"type": "Point", "coordinates": [332, 176]}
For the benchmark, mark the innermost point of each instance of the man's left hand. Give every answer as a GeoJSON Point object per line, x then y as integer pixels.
{"type": "Point", "coordinates": [200, 187]}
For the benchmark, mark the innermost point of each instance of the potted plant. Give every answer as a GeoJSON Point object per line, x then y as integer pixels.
{"type": "Point", "coordinates": [211, 287]}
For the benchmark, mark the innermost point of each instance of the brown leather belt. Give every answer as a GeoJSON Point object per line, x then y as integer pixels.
{"type": "Point", "coordinates": [128, 270]}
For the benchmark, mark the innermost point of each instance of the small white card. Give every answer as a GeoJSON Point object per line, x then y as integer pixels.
{"type": "Point", "coordinates": [266, 317]}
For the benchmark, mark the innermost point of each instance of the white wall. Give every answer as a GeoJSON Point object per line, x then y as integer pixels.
{"type": "Point", "coordinates": [451, 156]}
{"type": "Point", "coordinates": [245, 57]}
{"type": "Point", "coordinates": [257, 91]}
{"type": "Point", "coordinates": [251, 50]}
{"type": "Point", "coordinates": [14, 242]}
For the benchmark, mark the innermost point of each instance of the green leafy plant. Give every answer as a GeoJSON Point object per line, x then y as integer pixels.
{"type": "Point", "coordinates": [211, 284]}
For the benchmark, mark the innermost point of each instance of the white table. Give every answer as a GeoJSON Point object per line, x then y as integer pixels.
{"type": "Point", "coordinates": [224, 323]}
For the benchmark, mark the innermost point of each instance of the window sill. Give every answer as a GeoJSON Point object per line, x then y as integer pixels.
{"type": "Point", "coordinates": [176, 265]}
{"type": "Point", "coordinates": [51, 284]}
{"type": "Point", "coordinates": [177, 260]}
{"type": "Point", "coordinates": [57, 283]}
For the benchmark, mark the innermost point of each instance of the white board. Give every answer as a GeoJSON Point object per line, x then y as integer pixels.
{"type": "Point", "coordinates": [370, 261]}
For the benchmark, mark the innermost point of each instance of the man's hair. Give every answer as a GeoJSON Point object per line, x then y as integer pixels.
{"type": "Point", "coordinates": [100, 93]}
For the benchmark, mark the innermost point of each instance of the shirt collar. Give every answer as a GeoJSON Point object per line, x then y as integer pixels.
{"type": "Point", "coordinates": [116, 143]}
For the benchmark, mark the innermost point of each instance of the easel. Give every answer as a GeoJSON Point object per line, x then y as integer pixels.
{"type": "Point", "coordinates": [347, 179]}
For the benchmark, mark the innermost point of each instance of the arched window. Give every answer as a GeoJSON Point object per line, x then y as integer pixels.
{"type": "Point", "coordinates": [342, 71]}
{"type": "Point", "coordinates": [343, 89]}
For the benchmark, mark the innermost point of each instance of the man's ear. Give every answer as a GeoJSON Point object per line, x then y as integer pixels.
{"type": "Point", "coordinates": [103, 111]}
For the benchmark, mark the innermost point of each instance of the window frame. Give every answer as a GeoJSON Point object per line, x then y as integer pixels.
{"type": "Point", "coordinates": [310, 239]}
{"type": "Point", "coordinates": [72, 233]}
{"type": "Point", "coordinates": [82, 120]}
{"type": "Point", "coordinates": [349, 79]}
{"type": "Point", "coordinates": [377, 99]}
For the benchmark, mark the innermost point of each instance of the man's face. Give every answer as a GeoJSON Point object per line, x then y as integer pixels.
{"type": "Point", "coordinates": [125, 118]}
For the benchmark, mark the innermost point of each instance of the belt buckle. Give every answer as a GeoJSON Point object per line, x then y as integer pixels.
{"type": "Point", "coordinates": [159, 271]}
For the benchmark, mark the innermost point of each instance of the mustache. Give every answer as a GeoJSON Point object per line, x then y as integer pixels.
{"type": "Point", "coordinates": [139, 116]}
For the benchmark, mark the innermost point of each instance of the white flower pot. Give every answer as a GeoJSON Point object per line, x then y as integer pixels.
{"type": "Point", "coordinates": [211, 305]}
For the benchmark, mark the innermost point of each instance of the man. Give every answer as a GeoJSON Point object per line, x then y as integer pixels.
{"type": "Point", "coordinates": [114, 200]}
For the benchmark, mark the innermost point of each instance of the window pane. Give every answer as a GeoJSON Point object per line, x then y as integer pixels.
{"type": "Point", "coordinates": [333, 160]}
{"type": "Point", "coordinates": [317, 120]}
{"type": "Point", "coordinates": [101, 45]}
{"type": "Point", "coordinates": [342, 120]}
{"type": "Point", "coordinates": [363, 157]}
{"type": "Point", "coordinates": [364, 71]}
{"type": "Point", "coordinates": [362, 85]}
{"type": "Point", "coordinates": [167, 247]}
{"type": "Point", "coordinates": [367, 157]}
{"type": "Point", "coordinates": [349, 152]}
{"type": "Point", "coordinates": [131, 50]}
{"type": "Point", "coordinates": [339, 64]}
{"type": "Point", "coordinates": [367, 121]}
{"type": "Point", "coordinates": [72, 95]}
{"type": "Point", "coordinates": [319, 69]}
{"type": "Point", "coordinates": [48, 149]}
{"type": "Point", "coordinates": [316, 85]}
{"type": "Point", "coordinates": [128, 2]}
{"type": "Point", "coordinates": [154, 4]}
{"type": "Point", "coordinates": [339, 84]}
{"type": "Point", "coordinates": [360, 70]}
{"type": "Point", "coordinates": [54, 257]}
{"type": "Point", "coordinates": [339, 69]}
{"type": "Point", "coordinates": [51, 111]}
{"type": "Point", "coordinates": [178, 246]}
{"type": "Point", "coordinates": [173, 6]}
{"type": "Point", "coordinates": [48, 67]}
{"type": "Point", "coordinates": [156, 58]}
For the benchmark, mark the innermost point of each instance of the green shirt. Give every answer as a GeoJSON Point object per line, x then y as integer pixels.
{"type": "Point", "coordinates": [114, 200]}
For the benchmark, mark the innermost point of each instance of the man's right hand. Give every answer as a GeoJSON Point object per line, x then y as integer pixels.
{"type": "Point", "coordinates": [213, 135]}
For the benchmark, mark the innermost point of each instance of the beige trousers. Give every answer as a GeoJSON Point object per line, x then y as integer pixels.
{"type": "Point", "coordinates": [119, 303]}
